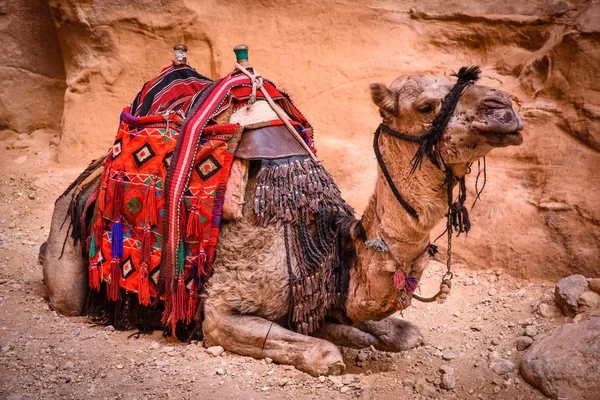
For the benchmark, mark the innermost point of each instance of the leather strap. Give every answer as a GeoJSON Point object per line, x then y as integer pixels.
{"type": "Point", "coordinates": [269, 143]}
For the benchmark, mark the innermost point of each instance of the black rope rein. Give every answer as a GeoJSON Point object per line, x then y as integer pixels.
{"type": "Point", "coordinates": [457, 215]}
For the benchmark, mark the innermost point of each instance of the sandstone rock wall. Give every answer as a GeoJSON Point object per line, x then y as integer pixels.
{"type": "Point", "coordinates": [540, 213]}
{"type": "Point", "coordinates": [31, 67]}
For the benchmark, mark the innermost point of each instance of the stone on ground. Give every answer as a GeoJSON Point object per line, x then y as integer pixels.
{"type": "Point", "coordinates": [595, 284]}
{"type": "Point", "coordinates": [215, 351]}
{"type": "Point", "coordinates": [567, 292]}
{"type": "Point", "coordinates": [448, 382]}
{"type": "Point", "coordinates": [523, 342]}
{"type": "Point", "coordinates": [588, 299]}
{"type": "Point", "coordinates": [566, 364]}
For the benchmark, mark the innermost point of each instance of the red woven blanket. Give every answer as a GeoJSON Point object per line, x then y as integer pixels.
{"type": "Point", "coordinates": [157, 216]}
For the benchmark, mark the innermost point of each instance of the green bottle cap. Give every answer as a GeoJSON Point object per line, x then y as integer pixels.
{"type": "Point", "coordinates": [241, 52]}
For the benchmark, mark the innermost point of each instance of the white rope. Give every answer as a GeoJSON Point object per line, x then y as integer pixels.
{"type": "Point", "coordinates": [257, 84]}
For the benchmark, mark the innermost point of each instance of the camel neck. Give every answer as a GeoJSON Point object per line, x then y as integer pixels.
{"type": "Point", "coordinates": [425, 191]}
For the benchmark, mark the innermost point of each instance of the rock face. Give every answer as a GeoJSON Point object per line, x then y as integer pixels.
{"type": "Point", "coordinates": [567, 292]}
{"type": "Point", "coordinates": [31, 67]}
{"type": "Point", "coordinates": [538, 216]}
{"type": "Point", "coordinates": [566, 364]}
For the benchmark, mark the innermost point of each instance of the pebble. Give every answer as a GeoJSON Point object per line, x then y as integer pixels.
{"type": "Point", "coordinates": [69, 365]}
{"type": "Point", "coordinates": [284, 381]}
{"type": "Point", "coordinates": [502, 366]}
{"type": "Point", "coordinates": [527, 321]}
{"type": "Point", "coordinates": [409, 383]}
{"type": "Point", "coordinates": [344, 389]}
{"type": "Point", "coordinates": [215, 351]}
{"type": "Point", "coordinates": [336, 380]}
{"type": "Point", "coordinates": [531, 331]}
{"type": "Point", "coordinates": [120, 366]}
{"type": "Point", "coordinates": [548, 310]}
{"type": "Point", "coordinates": [220, 371]}
{"type": "Point", "coordinates": [448, 356]}
{"type": "Point", "coordinates": [495, 342]}
{"type": "Point", "coordinates": [523, 342]}
{"type": "Point", "coordinates": [448, 382]}
{"type": "Point", "coordinates": [594, 284]}
{"type": "Point", "coordinates": [268, 360]}
{"type": "Point", "coordinates": [589, 299]}
{"type": "Point", "coordinates": [322, 379]}
{"type": "Point", "coordinates": [446, 370]}
{"type": "Point", "coordinates": [492, 292]}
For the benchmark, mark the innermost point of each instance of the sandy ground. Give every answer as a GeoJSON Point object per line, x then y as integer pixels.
{"type": "Point", "coordinates": [46, 355]}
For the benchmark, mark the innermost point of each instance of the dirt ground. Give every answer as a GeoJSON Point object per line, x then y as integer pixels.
{"type": "Point", "coordinates": [46, 355]}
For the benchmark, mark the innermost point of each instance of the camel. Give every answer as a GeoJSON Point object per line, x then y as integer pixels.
{"type": "Point", "coordinates": [247, 300]}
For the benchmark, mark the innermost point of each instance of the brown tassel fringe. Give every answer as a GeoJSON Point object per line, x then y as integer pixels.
{"type": "Point", "coordinates": [294, 187]}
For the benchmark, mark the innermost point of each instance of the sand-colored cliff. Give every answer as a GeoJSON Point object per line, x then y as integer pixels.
{"type": "Point", "coordinates": [540, 213]}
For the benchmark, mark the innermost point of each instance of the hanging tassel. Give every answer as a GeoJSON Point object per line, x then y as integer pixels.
{"type": "Point", "coordinates": [144, 286]}
{"type": "Point", "coordinates": [181, 299]}
{"type": "Point", "coordinates": [181, 293]}
{"type": "Point", "coordinates": [147, 244]}
{"type": "Point", "coordinates": [194, 226]}
{"type": "Point", "coordinates": [117, 239]}
{"type": "Point", "coordinates": [166, 315]}
{"type": "Point", "coordinates": [399, 280]}
{"type": "Point", "coordinates": [411, 284]}
{"type": "Point", "coordinates": [114, 285]}
{"type": "Point", "coordinates": [192, 306]}
{"type": "Point", "coordinates": [118, 195]}
{"type": "Point", "coordinates": [201, 261]}
{"type": "Point", "coordinates": [150, 211]}
{"type": "Point", "coordinates": [94, 277]}
{"type": "Point", "coordinates": [92, 246]}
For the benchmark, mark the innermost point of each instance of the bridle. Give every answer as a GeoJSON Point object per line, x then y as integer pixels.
{"type": "Point", "coordinates": [457, 215]}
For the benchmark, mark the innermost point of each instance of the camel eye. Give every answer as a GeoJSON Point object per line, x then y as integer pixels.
{"type": "Point", "coordinates": [425, 108]}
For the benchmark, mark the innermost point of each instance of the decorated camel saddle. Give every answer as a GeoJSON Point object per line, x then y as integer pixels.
{"type": "Point", "coordinates": [148, 213]}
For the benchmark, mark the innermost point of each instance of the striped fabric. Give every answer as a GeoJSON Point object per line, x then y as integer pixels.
{"type": "Point", "coordinates": [174, 89]}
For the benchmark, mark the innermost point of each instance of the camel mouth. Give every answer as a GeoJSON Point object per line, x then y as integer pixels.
{"type": "Point", "coordinates": [503, 138]}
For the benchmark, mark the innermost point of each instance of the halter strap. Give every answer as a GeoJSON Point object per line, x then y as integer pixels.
{"type": "Point", "coordinates": [411, 211]}
{"type": "Point", "coordinates": [457, 216]}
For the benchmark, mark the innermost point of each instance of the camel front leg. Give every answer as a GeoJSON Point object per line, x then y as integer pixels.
{"type": "Point", "coordinates": [259, 338]}
{"type": "Point", "coordinates": [391, 334]}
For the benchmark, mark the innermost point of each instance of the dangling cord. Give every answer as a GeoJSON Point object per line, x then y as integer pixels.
{"type": "Point", "coordinates": [478, 192]}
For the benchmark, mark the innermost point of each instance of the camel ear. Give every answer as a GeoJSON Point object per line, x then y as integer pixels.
{"type": "Point", "coordinates": [383, 97]}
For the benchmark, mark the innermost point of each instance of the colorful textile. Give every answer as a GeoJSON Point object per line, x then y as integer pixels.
{"type": "Point", "coordinates": [175, 88]}
{"type": "Point", "coordinates": [127, 235]}
{"type": "Point", "coordinates": [162, 186]}
{"type": "Point", "coordinates": [232, 91]}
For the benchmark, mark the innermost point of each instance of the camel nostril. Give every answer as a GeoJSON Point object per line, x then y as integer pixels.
{"type": "Point", "coordinates": [497, 102]}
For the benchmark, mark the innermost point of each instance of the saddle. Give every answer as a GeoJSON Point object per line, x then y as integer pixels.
{"type": "Point", "coordinates": [149, 213]}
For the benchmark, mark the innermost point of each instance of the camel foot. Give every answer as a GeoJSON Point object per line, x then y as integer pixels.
{"type": "Point", "coordinates": [259, 338]}
{"type": "Point", "coordinates": [391, 334]}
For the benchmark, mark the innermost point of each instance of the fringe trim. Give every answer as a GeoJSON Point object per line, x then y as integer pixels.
{"type": "Point", "coordinates": [292, 188]}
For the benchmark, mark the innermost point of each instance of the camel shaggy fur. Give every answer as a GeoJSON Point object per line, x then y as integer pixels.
{"type": "Point", "coordinates": [248, 298]}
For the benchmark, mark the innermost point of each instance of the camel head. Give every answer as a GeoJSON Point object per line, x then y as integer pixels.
{"type": "Point", "coordinates": [484, 117]}
{"type": "Point", "coordinates": [476, 119]}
